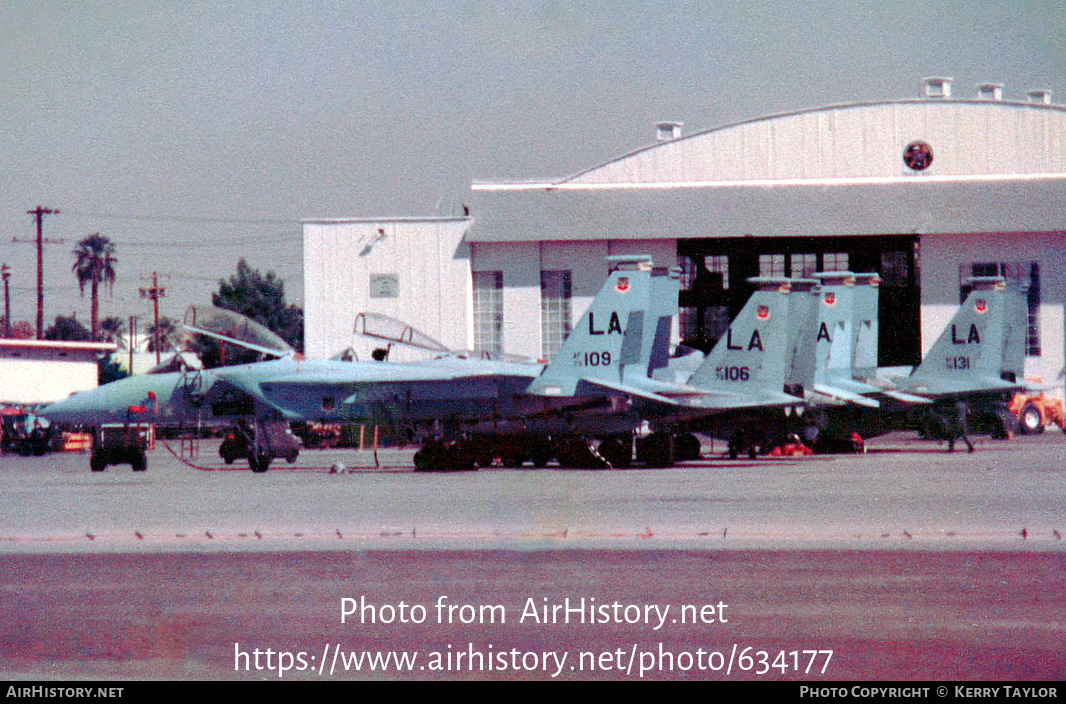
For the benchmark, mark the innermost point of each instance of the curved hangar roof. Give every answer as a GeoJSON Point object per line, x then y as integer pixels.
{"type": "Point", "coordinates": [903, 167]}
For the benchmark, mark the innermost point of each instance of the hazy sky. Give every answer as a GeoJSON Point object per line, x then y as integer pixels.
{"type": "Point", "coordinates": [195, 133]}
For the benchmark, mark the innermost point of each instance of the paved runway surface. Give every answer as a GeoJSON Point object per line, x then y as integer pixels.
{"type": "Point", "coordinates": [906, 563]}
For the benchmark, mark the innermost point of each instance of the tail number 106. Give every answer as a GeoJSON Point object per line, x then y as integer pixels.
{"type": "Point", "coordinates": [732, 373]}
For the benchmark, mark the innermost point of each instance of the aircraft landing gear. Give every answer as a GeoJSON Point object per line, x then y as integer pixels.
{"type": "Point", "coordinates": [657, 450]}
{"type": "Point", "coordinates": [686, 447]}
{"type": "Point", "coordinates": [617, 451]}
{"type": "Point", "coordinates": [740, 445]}
{"type": "Point", "coordinates": [577, 453]}
{"type": "Point", "coordinates": [436, 456]}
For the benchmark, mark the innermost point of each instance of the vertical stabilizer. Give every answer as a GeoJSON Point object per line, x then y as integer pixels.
{"type": "Point", "coordinates": [864, 323]}
{"type": "Point", "coordinates": [750, 359]}
{"type": "Point", "coordinates": [1017, 333]}
{"type": "Point", "coordinates": [835, 332]}
{"type": "Point", "coordinates": [835, 340]}
{"type": "Point", "coordinates": [614, 337]}
{"type": "Point", "coordinates": [658, 325]}
{"type": "Point", "coordinates": [803, 322]}
{"type": "Point", "coordinates": [970, 352]}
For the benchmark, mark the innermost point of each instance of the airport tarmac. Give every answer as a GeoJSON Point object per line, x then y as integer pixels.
{"type": "Point", "coordinates": [907, 562]}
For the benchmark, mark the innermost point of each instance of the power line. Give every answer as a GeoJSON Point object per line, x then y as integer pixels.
{"type": "Point", "coordinates": [252, 240]}
{"type": "Point", "coordinates": [186, 218]}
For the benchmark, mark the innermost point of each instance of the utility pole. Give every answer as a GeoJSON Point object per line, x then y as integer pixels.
{"type": "Point", "coordinates": [5, 271]}
{"type": "Point", "coordinates": [39, 214]}
{"type": "Point", "coordinates": [132, 340]}
{"type": "Point", "coordinates": [155, 293]}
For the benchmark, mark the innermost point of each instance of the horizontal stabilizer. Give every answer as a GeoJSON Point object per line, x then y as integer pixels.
{"type": "Point", "coordinates": [905, 398]}
{"type": "Point", "coordinates": [766, 399]}
{"type": "Point", "coordinates": [626, 389]}
{"type": "Point", "coordinates": [844, 395]}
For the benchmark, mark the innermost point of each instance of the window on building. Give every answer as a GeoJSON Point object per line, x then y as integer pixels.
{"type": "Point", "coordinates": [835, 261]}
{"type": "Point", "coordinates": [894, 270]}
{"type": "Point", "coordinates": [1017, 273]}
{"type": "Point", "coordinates": [688, 273]}
{"type": "Point", "coordinates": [702, 326]}
{"type": "Point", "coordinates": [488, 312]}
{"type": "Point", "coordinates": [713, 274]}
{"type": "Point", "coordinates": [718, 264]}
{"type": "Point", "coordinates": [803, 265]}
{"type": "Point", "coordinates": [772, 265]}
{"type": "Point", "coordinates": [555, 295]}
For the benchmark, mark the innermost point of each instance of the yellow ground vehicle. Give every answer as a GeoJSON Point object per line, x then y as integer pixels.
{"type": "Point", "coordinates": [1037, 411]}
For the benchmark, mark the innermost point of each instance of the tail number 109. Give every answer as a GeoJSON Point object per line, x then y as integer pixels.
{"type": "Point", "coordinates": [592, 359]}
{"type": "Point", "coordinates": [732, 373]}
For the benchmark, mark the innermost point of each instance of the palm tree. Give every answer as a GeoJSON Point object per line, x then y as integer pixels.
{"type": "Point", "coordinates": [94, 261]}
{"type": "Point", "coordinates": [168, 328]}
{"type": "Point", "coordinates": [112, 330]}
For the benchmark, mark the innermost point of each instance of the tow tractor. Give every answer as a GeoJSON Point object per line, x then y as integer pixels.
{"type": "Point", "coordinates": [121, 443]}
{"type": "Point", "coordinates": [1036, 411]}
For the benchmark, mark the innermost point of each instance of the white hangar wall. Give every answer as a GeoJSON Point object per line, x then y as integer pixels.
{"type": "Point", "coordinates": [993, 195]}
{"type": "Point", "coordinates": [861, 141]}
{"type": "Point", "coordinates": [820, 180]}
{"type": "Point", "coordinates": [413, 269]}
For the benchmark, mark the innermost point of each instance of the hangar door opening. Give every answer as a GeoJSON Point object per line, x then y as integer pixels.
{"type": "Point", "coordinates": [714, 283]}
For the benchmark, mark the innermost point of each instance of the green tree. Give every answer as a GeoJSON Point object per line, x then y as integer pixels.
{"type": "Point", "coordinates": [67, 328]}
{"type": "Point", "coordinates": [167, 329]}
{"type": "Point", "coordinates": [94, 262]}
{"type": "Point", "coordinates": [112, 329]}
{"type": "Point", "coordinates": [108, 370]}
{"type": "Point", "coordinates": [261, 298]}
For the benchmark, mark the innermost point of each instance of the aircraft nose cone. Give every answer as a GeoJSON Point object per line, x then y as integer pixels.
{"type": "Point", "coordinates": [77, 409]}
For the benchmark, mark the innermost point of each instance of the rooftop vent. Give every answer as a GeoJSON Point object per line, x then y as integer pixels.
{"type": "Point", "coordinates": [937, 87]}
{"type": "Point", "coordinates": [665, 131]}
{"type": "Point", "coordinates": [990, 91]}
{"type": "Point", "coordinates": [1042, 97]}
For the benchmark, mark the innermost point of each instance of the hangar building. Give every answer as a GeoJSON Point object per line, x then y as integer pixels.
{"type": "Point", "coordinates": [925, 191]}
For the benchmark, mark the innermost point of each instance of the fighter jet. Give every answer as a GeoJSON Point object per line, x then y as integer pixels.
{"type": "Point", "coordinates": [973, 368]}
{"type": "Point", "coordinates": [742, 382]}
{"type": "Point", "coordinates": [456, 406]}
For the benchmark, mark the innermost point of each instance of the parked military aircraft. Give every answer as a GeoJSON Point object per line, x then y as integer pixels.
{"type": "Point", "coordinates": [976, 362]}
{"type": "Point", "coordinates": [454, 404]}
{"type": "Point", "coordinates": [742, 380]}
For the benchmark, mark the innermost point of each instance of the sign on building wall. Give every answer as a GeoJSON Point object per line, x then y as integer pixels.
{"type": "Point", "coordinates": [384, 286]}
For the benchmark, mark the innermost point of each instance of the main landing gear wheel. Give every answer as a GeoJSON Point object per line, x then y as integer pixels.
{"type": "Point", "coordinates": [438, 457]}
{"type": "Point", "coordinates": [576, 453]}
{"type": "Point", "coordinates": [657, 450]}
{"type": "Point", "coordinates": [686, 447]}
{"type": "Point", "coordinates": [617, 451]}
